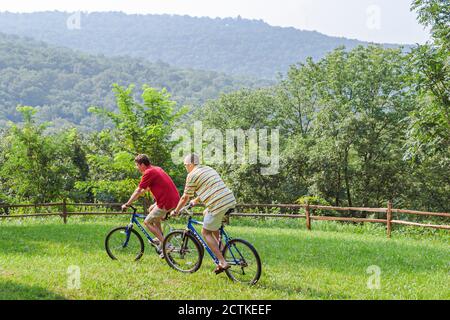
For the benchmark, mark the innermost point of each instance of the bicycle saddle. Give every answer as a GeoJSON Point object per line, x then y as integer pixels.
{"type": "Point", "coordinates": [229, 211]}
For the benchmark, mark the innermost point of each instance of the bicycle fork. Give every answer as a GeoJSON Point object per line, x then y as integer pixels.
{"type": "Point", "coordinates": [127, 233]}
{"type": "Point", "coordinates": [184, 243]}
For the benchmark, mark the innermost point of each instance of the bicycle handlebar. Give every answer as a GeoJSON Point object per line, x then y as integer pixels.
{"type": "Point", "coordinates": [186, 209]}
{"type": "Point", "coordinates": [133, 208]}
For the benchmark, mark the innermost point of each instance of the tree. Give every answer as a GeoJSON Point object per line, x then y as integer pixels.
{"type": "Point", "coordinates": [428, 138]}
{"type": "Point", "coordinates": [342, 129]}
{"type": "Point", "coordinates": [244, 110]}
{"type": "Point", "coordinates": [34, 167]}
{"type": "Point", "coordinates": [430, 123]}
{"type": "Point", "coordinates": [139, 127]}
{"type": "Point", "coordinates": [355, 103]}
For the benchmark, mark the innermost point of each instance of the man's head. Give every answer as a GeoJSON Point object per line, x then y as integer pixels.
{"type": "Point", "coordinates": [191, 161]}
{"type": "Point", "coordinates": [142, 162]}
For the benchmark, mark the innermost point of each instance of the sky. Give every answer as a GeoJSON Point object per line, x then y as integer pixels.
{"type": "Point", "coordinates": [382, 21]}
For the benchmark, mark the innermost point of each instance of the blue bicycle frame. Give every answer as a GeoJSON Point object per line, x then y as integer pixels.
{"type": "Point", "coordinates": [134, 220]}
{"type": "Point", "coordinates": [223, 235]}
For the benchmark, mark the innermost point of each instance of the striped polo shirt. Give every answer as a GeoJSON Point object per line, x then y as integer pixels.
{"type": "Point", "coordinates": [210, 188]}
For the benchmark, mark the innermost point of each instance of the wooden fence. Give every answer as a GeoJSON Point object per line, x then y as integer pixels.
{"type": "Point", "coordinates": [307, 208]}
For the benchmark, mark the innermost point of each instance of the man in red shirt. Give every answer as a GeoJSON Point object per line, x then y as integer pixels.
{"type": "Point", "coordinates": [160, 185]}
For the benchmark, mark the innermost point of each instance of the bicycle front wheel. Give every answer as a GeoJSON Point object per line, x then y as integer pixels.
{"type": "Point", "coordinates": [182, 251]}
{"type": "Point", "coordinates": [244, 260]}
{"type": "Point", "coordinates": [123, 244]}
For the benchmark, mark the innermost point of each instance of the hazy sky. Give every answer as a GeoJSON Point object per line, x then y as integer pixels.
{"type": "Point", "coordinates": [388, 21]}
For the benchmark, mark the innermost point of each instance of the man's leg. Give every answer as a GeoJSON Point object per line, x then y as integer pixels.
{"type": "Point", "coordinates": [216, 235]}
{"type": "Point", "coordinates": [155, 227]}
{"type": "Point", "coordinates": [213, 222]}
{"type": "Point", "coordinates": [212, 242]}
{"type": "Point", "coordinates": [153, 222]}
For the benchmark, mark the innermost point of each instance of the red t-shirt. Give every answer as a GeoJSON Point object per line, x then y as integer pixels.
{"type": "Point", "coordinates": [158, 182]}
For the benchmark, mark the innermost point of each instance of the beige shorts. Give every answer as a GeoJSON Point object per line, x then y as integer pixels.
{"type": "Point", "coordinates": [155, 213]}
{"type": "Point", "coordinates": [214, 222]}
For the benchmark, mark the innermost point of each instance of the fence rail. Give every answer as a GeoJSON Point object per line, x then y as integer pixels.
{"type": "Point", "coordinates": [308, 209]}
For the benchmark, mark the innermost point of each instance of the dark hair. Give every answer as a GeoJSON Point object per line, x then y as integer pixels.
{"type": "Point", "coordinates": [142, 159]}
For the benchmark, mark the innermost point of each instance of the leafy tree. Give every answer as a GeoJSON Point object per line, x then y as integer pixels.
{"type": "Point", "coordinates": [143, 127]}
{"type": "Point", "coordinates": [428, 138]}
{"type": "Point", "coordinates": [342, 129]}
{"type": "Point", "coordinates": [430, 122]}
{"type": "Point", "coordinates": [139, 127]}
{"type": "Point", "coordinates": [34, 167]}
{"type": "Point", "coordinates": [244, 110]}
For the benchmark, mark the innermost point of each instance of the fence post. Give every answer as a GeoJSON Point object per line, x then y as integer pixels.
{"type": "Point", "coordinates": [308, 220]}
{"type": "Point", "coordinates": [389, 219]}
{"type": "Point", "coordinates": [65, 210]}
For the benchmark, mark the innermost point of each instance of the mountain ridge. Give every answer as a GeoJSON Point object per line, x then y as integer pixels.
{"type": "Point", "coordinates": [234, 46]}
{"type": "Point", "coordinates": [62, 83]}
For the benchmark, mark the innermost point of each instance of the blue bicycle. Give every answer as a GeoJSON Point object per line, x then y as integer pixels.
{"type": "Point", "coordinates": [184, 251]}
{"type": "Point", "coordinates": [125, 243]}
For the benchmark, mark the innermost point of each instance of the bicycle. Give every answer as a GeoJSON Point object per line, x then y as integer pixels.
{"type": "Point", "coordinates": [125, 243]}
{"type": "Point", "coordinates": [184, 250]}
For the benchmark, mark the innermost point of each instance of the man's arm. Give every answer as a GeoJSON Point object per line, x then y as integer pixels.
{"type": "Point", "coordinates": [195, 201]}
{"type": "Point", "coordinates": [183, 200]}
{"type": "Point", "coordinates": [136, 194]}
{"type": "Point", "coordinates": [189, 191]}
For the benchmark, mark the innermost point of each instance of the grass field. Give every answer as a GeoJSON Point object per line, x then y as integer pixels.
{"type": "Point", "coordinates": [329, 262]}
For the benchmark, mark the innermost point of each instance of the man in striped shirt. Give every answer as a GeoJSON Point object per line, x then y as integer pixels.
{"type": "Point", "coordinates": [210, 189]}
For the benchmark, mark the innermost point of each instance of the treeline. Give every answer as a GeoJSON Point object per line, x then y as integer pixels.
{"type": "Point", "coordinates": [232, 45]}
{"type": "Point", "coordinates": [348, 127]}
{"type": "Point", "coordinates": [357, 128]}
{"type": "Point", "coordinates": [61, 83]}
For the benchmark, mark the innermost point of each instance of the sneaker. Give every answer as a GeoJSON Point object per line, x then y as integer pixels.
{"type": "Point", "coordinates": [169, 248]}
{"type": "Point", "coordinates": [161, 254]}
{"type": "Point", "coordinates": [219, 268]}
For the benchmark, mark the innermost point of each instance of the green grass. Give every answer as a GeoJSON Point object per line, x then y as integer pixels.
{"type": "Point", "coordinates": [329, 262]}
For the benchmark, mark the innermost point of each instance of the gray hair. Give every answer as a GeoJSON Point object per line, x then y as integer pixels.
{"type": "Point", "coordinates": [192, 159]}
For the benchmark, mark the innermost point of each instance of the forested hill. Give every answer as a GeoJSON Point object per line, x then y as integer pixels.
{"type": "Point", "coordinates": [232, 45]}
{"type": "Point", "coordinates": [63, 83]}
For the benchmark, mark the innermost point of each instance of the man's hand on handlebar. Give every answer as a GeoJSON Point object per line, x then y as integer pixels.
{"type": "Point", "coordinates": [124, 207]}
{"type": "Point", "coordinates": [192, 204]}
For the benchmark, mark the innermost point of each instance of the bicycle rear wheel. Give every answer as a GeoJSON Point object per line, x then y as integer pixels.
{"type": "Point", "coordinates": [244, 260]}
{"type": "Point", "coordinates": [182, 251]}
{"type": "Point", "coordinates": [123, 244]}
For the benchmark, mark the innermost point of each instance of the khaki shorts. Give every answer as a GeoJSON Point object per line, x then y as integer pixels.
{"type": "Point", "coordinates": [155, 213]}
{"type": "Point", "coordinates": [214, 222]}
